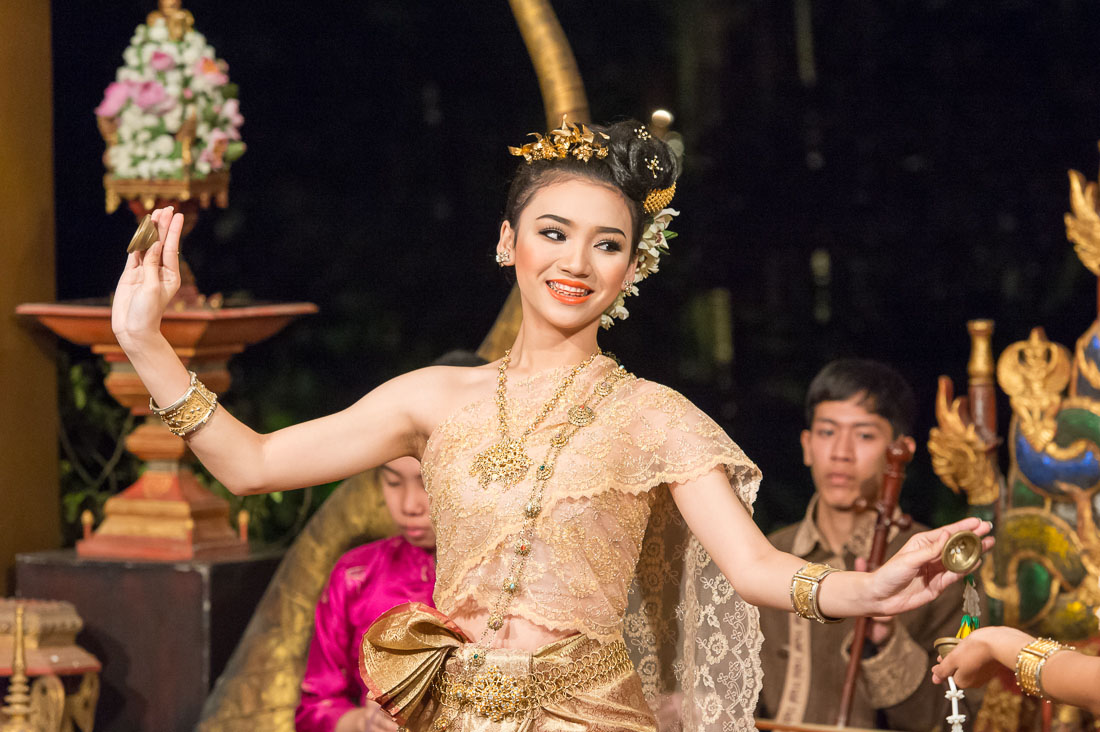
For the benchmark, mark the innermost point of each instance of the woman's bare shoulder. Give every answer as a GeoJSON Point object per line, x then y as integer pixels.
{"type": "Point", "coordinates": [435, 392]}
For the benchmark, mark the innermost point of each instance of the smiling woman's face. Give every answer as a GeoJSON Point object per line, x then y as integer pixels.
{"type": "Point", "coordinates": [571, 251]}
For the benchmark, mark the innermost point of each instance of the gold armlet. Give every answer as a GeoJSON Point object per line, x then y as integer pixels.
{"type": "Point", "coordinates": [190, 411]}
{"type": "Point", "coordinates": [805, 591]}
{"type": "Point", "coordinates": [1030, 662]}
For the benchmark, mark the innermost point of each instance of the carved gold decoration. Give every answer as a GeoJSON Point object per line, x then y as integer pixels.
{"type": "Point", "coordinates": [960, 457]}
{"type": "Point", "coordinates": [1034, 373]}
{"type": "Point", "coordinates": [569, 139]}
{"type": "Point", "coordinates": [80, 707]}
{"type": "Point", "coordinates": [1037, 535]}
{"type": "Point", "coordinates": [1083, 224]}
{"type": "Point", "coordinates": [980, 367]}
{"type": "Point", "coordinates": [18, 709]}
{"type": "Point", "coordinates": [1001, 709]}
{"type": "Point", "coordinates": [1081, 363]}
{"type": "Point", "coordinates": [41, 634]}
{"type": "Point", "coordinates": [177, 20]}
{"type": "Point", "coordinates": [48, 703]}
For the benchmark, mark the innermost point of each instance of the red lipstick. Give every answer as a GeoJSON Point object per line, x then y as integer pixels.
{"type": "Point", "coordinates": [569, 292]}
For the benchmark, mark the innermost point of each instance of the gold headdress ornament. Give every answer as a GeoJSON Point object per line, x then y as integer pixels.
{"type": "Point", "coordinates": [658, 199]}
{"type": "Point", "coordinates": [584, 144]}
{"type": "Point", "coordinates": [576, 140]}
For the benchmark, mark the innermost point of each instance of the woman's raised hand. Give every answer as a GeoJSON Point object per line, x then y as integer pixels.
{"type": "Point", "coordinates": [148, 282]}
{"type": "Point", "coordinates": [916, 575]}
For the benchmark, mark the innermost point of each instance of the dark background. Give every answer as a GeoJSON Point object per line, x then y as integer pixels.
{"type": "Point", "coordinates": [924, 161]}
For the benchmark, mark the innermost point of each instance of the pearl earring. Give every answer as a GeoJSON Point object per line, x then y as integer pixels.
{"type": "Point", "coordinates": [503, 257]}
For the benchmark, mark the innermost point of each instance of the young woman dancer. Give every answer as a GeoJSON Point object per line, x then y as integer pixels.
{"type": "Point", "coordinates": [547, 472]}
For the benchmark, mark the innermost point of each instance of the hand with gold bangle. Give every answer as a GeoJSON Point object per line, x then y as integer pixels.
{"type": "Point", "coordinates": [148, 283]}
{"type": "Point", "coordinates": [1044, 668]}
{"type": "Point", "coordinates": [911, 578]}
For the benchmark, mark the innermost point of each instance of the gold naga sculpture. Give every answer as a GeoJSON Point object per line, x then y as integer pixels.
{"type": "Point", "coordinates": [259, 688]}
{"type": "Point", "coordinates": [1043, 575]}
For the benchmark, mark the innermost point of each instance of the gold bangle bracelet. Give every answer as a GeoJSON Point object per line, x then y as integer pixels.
{"type": "Point", "coordinates": [805, 591]}
{"type": "Point", "coordinates": [190, 411]}
{"type": "Point", "coordinates": [1030, 662]}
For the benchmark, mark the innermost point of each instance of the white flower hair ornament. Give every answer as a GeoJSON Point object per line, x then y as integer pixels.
{"type": "Point", "coordinates": [654, 243]}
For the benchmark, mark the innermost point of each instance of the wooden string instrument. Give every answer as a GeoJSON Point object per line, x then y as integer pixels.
{"type": "Point", "coordinates": [897, 456]}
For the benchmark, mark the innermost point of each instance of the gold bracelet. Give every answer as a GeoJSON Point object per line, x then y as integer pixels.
{"type": "Point", "coordinates": [805, 590]}
{"type": "Point", "coordinates": [1030, 662]}
{"type": "Point", "coordinates": [190, 411]}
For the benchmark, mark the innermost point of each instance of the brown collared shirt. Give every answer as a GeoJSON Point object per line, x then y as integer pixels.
{"type": "Point", "coordinates": [805, 662]}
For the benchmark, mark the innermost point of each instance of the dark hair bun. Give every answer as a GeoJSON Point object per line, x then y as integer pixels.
{"type": "Point", "coordinates": [631, 159]}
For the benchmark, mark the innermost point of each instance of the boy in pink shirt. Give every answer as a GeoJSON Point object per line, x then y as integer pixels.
{"type": "Point", "coordinates": [365, 582]}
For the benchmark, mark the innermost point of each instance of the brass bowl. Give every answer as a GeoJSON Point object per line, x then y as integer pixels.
{"type": "Point", "coordinates": [944, 646]}
{"type": "Point", "coordinates": [962, 552]}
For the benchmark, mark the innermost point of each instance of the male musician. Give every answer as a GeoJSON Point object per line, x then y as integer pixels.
{"type": "Point", "coordinates": [855, 409]}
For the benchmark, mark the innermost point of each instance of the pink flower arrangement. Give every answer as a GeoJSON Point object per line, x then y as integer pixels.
{"type": "Point", "coordinates": [231, 111]}
{"type": "Point", "coordinates": [215, 149]}
{"type": "Point", "coordinates": [169, 84]}
{"type": "Point", "coordinates": [151, 97]}
{"type": "Point", "coordinates": [211, 72]}
{"type": "Point", "coordinates": [162, 61]}
{"type": "Point", "coordinates": [115, 97]}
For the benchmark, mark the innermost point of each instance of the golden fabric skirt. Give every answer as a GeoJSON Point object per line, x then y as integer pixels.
{"type": "Point", "coordinates": [414, 660]}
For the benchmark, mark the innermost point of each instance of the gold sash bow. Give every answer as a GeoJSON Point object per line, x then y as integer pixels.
{"type": "Point", "coordinates": [401, 654]}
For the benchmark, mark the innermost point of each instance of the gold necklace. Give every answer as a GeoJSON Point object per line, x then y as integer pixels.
{"type": "Point", "coordinates": [472, 676]}
{"type": "Point", "coordinates": [507, 461]}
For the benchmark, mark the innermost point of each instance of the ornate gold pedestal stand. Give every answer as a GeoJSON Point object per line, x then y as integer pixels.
{"type": "Point", "coordinates": [166, 514]}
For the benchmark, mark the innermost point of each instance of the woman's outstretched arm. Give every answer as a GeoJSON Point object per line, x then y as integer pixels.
{"type": "Point", "coordinates": [1068, 676]}
{"type": "Point", "coordinates": [762, 574]}
{"type": "Point", "coordinates": [387, 423]}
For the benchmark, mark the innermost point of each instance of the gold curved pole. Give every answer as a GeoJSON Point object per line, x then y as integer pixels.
{"type": "Point", "coordinates": [555, 65]}
{"type": "Point", "coordinates": [562, 94]}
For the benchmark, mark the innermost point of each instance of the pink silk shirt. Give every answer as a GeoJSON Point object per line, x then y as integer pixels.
{"type": "Point", "coordinates": [366, 582]}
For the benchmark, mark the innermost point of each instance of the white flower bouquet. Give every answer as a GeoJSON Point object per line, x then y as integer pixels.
{"type": "Point", "coordinates": [654, 243]}
{"type": "Point", "coordinates": [171, 113]}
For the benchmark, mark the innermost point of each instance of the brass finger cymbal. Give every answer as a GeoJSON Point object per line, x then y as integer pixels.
{"type": "Point", "coordinates": [145, 236]}
{"type": "Point", "coordinates": [944, 646]}
{"type": "Point", "coordinates": [962, 552]}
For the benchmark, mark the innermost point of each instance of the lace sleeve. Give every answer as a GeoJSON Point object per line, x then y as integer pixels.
{"type": "Point", "coordinates": [695, 642]}
{"type": "Point", "coordinates": [667, 439]}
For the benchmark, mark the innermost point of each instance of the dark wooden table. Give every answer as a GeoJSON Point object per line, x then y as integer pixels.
{"type": "Point", "coordinates": [163, 630]}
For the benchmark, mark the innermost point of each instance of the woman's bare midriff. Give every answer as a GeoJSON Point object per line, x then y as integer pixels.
{"type": "Point", "coordinates": [516, 633]}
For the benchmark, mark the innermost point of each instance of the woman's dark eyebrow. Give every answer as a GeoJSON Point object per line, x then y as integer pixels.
{"type": "Point", "coordinates": [567, 222]}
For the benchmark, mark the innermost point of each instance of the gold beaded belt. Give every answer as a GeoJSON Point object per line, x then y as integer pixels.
{"type": "Point", "coordinates": [495, 695]}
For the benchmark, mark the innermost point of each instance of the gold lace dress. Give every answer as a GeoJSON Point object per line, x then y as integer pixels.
{"type": "Point", "coordinates": [611, 558]}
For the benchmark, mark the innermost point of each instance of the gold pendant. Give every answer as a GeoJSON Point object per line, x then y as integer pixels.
{"type": "Point", "coordinates": [505, 462]}
{"type": "Point", "coordinates": [581, 415]}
